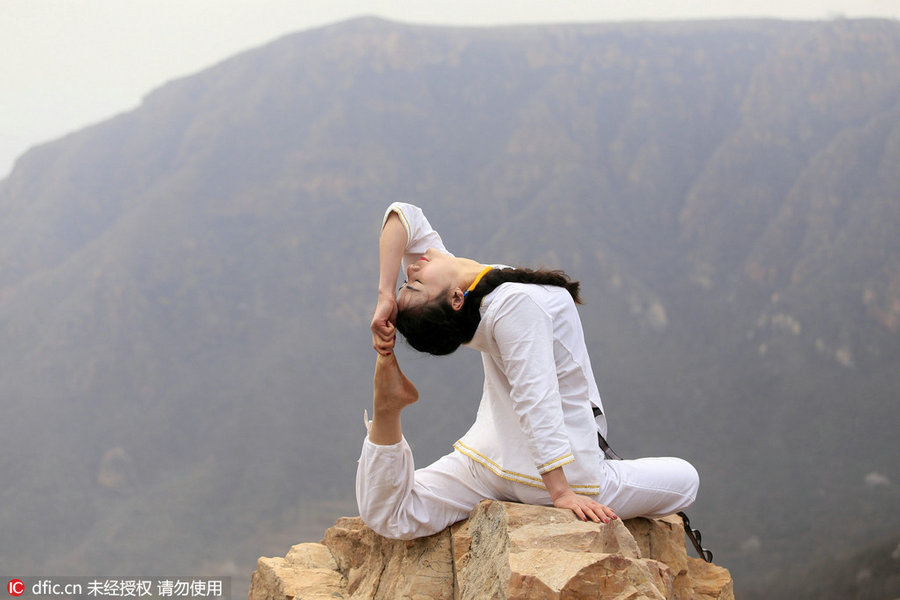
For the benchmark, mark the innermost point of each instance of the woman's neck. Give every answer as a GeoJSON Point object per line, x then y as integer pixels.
{"type": "Point", "coordinates": [468, 270]}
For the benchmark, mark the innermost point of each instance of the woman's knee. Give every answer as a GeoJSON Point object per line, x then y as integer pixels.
{"type": "Point", "coordinates": [650, 487]}
{"type": "Point", "coordinates": [391, 530]}
{"type": "Point", "coordinates": [386, 523]}
{"type": "Point", "coordinates": [688, 480]}
{"type": "Point", "coordinates": [399, 521]}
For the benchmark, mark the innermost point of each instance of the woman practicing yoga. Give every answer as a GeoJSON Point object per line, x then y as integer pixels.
{"type": "Point", "coordinates": [535, 438]}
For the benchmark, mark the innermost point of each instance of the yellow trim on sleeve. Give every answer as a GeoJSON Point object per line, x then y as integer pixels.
{"type": "Point", "coordinates": [405, 222]}
{"type": "Point", "coordinates": [557, 465]}
{"type": "Point", "coordinates": [543, 467]}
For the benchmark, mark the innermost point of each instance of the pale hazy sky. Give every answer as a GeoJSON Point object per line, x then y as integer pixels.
{"type": "Point", "coordinates": [65, 64]}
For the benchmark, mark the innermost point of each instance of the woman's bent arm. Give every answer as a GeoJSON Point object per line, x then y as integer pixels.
{"type": "Point", "coordinates": [390, 252]}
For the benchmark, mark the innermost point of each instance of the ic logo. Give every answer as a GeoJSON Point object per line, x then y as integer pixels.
{"type": "Point", "coordinates": [15, 587]}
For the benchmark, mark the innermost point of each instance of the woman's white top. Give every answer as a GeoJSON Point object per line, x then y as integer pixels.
{"type": "Point", "coordinates": [536, 407]}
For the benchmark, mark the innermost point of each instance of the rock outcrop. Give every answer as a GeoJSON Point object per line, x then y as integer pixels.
{"type": "Point", "coordinates": [503, 550]}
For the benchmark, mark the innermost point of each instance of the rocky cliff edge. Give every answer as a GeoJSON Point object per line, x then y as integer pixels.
{"type": "Point", "coordinates": [503, 551]}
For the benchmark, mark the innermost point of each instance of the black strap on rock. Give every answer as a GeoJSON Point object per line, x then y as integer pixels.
{"type": "Point", "coordinates": [693, 534]}
{"type": "Point", "coordinates": [696, 538]}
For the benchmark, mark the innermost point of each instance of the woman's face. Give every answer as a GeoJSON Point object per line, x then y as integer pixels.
{"type": "Point", "coordinates": [431, 276]}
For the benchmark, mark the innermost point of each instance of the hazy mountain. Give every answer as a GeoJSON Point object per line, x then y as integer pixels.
{"type": "Point", "coordinates": [185, 289]}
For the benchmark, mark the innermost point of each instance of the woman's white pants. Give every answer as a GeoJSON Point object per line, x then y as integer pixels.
{"type": "Point", "coordinates": [398, 501]}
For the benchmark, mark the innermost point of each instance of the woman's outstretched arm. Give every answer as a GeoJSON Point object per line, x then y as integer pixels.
{"type": "Point", "coordinates": [390, 252]}
{"type": "Point", "coordinates": [563, 497]}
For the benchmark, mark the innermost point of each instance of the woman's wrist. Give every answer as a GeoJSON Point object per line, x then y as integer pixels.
{"type": "Point", "coordinates": [556, 483]}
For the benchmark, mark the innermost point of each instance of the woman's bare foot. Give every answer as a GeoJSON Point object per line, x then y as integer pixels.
{"type": "Point", "coordinates": [392, 392]}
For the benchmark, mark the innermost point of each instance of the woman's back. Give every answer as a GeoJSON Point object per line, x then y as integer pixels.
{"type": "Point", "coordinates": [536, 408]}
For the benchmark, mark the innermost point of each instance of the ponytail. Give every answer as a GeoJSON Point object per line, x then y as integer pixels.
{"type": "Point", "coordinates": [436, 328]}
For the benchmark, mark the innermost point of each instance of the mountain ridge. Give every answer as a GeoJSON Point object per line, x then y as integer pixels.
{"type": "Point", "coordinates": [186, 287]}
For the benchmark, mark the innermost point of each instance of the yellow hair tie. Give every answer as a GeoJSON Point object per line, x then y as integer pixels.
{"type": "Point", "coordinates": [477, 279]}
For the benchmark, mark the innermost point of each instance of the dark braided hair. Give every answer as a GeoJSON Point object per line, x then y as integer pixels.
{"type": "Point", "coordinates": [434, 327]}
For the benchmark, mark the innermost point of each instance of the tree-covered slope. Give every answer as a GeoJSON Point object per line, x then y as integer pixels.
{"type": "Point", "coordinates": [185, 289]}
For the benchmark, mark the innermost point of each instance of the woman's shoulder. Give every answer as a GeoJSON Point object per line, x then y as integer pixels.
{"type": "Point", "coordinates": [513, 289]}
{"type": "Point", "coordinates": [511, 295]}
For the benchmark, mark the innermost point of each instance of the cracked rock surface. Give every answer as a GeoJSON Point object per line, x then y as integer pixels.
{"type": "Point", "coordinates": [502, 551]}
